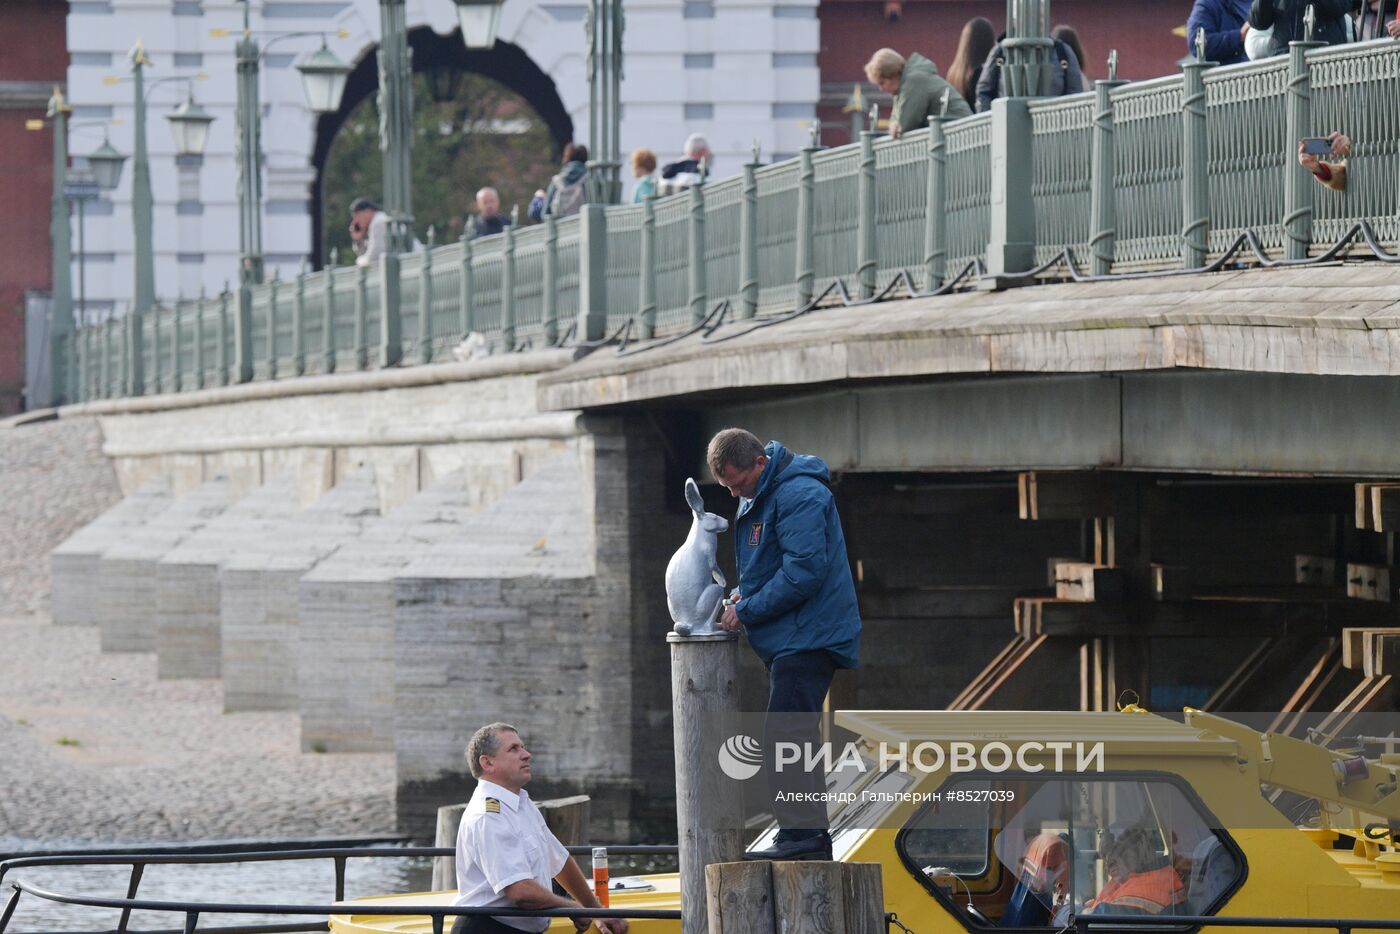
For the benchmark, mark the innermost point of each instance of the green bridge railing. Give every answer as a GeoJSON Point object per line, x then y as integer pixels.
{"type": "Point", "coordinates": [1145, 176]}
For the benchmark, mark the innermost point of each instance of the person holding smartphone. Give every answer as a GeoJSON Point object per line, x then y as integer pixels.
{"type": "Point", "coordinates": [369, 231]}
{"type": "Point", "coordinates": [1325, 158]}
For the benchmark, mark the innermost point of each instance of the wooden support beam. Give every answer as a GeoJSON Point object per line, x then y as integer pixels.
{"type": "Point", "coordinates": [1079, 580]}
{"type": "Point", "coordinates": [1354, 647]}
{"type": "Point", "coordinates": [1066, 495]}
{"type": "Point", "coordinates": [1170, 582]}
{"type": "Point", "coordinates": [1113, 672]}
{"type": "Point", "coordinates": [1369, 582]}
{"type": "Point", "coordinates": [1385, 507]}
{"type": "Point", "coordinates": [1198, 617]}
{"type": "Point", "coordinates": [1052, 565]}
{"type": "Point", "coordinates": [1234, 684]}
{"type": "Point", "coordinates": [1307, 694]}
{"type": "Point", "coordinates": [1384, 655]}
{"type": "Point", "coordinates": [1367, 649]}
{"type": "Point", "coordinates": [1366, 500]}
{"type": "Point", "coordinates": [995, 674]}
{"type": "Point", "coordinates": [1314, 570]}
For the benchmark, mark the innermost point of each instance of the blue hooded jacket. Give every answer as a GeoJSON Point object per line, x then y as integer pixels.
{"type": "Point", "coordinates": [794, 576]}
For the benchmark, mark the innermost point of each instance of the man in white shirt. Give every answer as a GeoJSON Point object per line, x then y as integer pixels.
{"type": "Point", "coordinates": [369, 231]}
{"type": "Point", "coordinates": [506, 855]}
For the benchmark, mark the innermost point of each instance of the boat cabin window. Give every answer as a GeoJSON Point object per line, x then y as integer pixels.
{"type": "Point", "coordinates": [1027, 852]}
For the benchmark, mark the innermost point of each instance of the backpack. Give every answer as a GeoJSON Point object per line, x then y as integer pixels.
{"type": "Point", "coordinates": [569, 197]}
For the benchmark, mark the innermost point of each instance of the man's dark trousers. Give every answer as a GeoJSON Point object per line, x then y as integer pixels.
{"type": "Point", "coordinates": [797, 686]}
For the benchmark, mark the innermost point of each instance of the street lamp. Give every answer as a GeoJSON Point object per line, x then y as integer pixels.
{"type": "Point", "coordinates": [190, 124]}
{"type": "Point", "coordinates": [479, 20]}
{"type": "Point", "coordinates": [106, 165]}
{"type": "Point", "coordinates": [104, 170]}
{"type": "Point", "coordinates": [323, 80]}
{"type": "Point", "coordinates": [78, 187]}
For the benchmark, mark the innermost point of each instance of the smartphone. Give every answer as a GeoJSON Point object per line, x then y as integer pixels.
{"type": "Point", "coordinates": [1317, 146]}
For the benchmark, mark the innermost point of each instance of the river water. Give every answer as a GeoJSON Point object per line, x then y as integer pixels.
{"type": "Point", "coordinates": [303, 882]}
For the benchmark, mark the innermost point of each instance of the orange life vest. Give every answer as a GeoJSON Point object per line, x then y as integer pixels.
{"type": "Point", "coordinates": [1152, 892]}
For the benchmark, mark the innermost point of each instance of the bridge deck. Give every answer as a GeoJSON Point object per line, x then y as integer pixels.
{"type": "Point", "coordinates": [1327, 320]}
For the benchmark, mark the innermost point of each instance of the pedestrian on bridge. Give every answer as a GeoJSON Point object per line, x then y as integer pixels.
{"type": "Point", "coordinates": [919, 91]}
{"type": "Point", "coordinates": [1286, 19]}
{"type": "Point", "coordinates": [1226, 22]}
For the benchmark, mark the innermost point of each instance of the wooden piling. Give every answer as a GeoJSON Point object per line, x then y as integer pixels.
{"type": "Point", "coordinates": [709, 822]}
{"type": "Point", "coordinates": [794, 898]}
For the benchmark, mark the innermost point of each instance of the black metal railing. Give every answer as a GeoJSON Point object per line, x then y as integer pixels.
{"type": "Point", "coordinates": [192, 911]}
{"type": "Point", "coordinates": [138, 860]}
{"type": "Point", "coordinates": [1089, 924]}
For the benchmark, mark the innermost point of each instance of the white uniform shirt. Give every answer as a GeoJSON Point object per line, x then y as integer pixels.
{"type": "Point", "coordinates": [503, 839]}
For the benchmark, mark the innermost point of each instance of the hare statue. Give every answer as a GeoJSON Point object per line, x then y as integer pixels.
{"type": "Point", "coordinates": [694, 583]}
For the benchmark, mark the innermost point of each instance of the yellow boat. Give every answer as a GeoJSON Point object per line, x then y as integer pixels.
{"type": "Point", "coordinates": [959, 850]}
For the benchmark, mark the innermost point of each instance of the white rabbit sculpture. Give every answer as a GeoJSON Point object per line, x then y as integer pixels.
{"type": "Point", "coordinates": [694, 583]}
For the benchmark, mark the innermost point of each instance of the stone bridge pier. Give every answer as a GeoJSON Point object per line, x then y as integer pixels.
{"type": "Point", "coordinates": [402, 556]}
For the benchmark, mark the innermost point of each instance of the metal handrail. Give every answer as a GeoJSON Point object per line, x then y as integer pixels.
{"type": "Point", "coordinates": [800, 236]}
{"type": "Point", "coordinates": [1086, 923]}
{"type": "Point", "coordinates": [146, 858]}
{"type": "Point", "coordinates": [192, 910]}
{"type": "Point", "coordinates": [139, 860]}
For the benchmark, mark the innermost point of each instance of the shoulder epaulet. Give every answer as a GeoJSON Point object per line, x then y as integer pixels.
{"type": "Point", "coordinates": [492, 806]}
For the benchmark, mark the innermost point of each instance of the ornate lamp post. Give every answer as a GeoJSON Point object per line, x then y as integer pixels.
{"type": "Point", "coordinates": [190, 124]}
{"type": "Point", "coordinates": [323, 81]}
{"type": "Point", "coordinates": [104, 170]}
{"type": "Point", "coordinates": [1030, 52]}
{"type": "Point", "coordinates": [604, 27]}
{"type": "Point", "coordinates": [323, 77]}
{"type": "Point", "coordinates": [60, 238]}
{"type": "Point", "coordinates": [478, 20]}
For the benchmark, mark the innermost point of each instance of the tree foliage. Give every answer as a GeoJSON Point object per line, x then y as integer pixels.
{"type": "Point", "coordinates": [486, 135]}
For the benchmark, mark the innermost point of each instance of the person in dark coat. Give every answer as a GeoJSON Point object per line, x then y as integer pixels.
{"type": "Point", "coordinates": [1068, 78]}
{"type": "Point", "coordinates": [1225, 23]}
{"type": "Point", "coordinates": [488, 219]}
{"type": "Point", "coordinates": [1285, 17]}
{"type": "Point", "coordinates": [796, 599]}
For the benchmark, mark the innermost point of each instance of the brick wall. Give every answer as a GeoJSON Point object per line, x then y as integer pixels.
{"type": "Point", "coordinates": [33, 55]}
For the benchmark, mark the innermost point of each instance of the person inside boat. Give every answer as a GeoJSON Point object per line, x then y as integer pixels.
{"type": "Point", "coordinates": [1141, 879]}
{"type": "Point", "coordinates": [1042, 883]}
{"type": "Point", "coordinates": [506, 855]}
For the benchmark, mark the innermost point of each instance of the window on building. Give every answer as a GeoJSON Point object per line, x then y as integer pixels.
{"type": "Point", "coordinates": [1032, 852]}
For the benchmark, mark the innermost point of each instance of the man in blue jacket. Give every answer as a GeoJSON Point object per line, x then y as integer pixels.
{"type": "Point", "coordinates": [796, 601]}
{"type": "Point", "coordinates": [1225, 23]}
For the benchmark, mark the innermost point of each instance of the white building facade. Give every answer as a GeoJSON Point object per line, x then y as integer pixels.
{"type": "Point", "coordinates": [734, 70]}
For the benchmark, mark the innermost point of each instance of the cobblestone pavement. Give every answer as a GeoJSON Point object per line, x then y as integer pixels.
{"type": "Point", "coordinates": [53, 481]}
{"type": "Point", "coordinates": [94, 749]}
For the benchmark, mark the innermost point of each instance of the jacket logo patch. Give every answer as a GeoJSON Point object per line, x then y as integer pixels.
{"type": "Point", "coordinates": [755, 533]}
{"type": "Point", "coordinates": [493, 806]}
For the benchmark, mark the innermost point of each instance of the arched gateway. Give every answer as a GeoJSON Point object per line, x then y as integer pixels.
{"type": "Point", "coordinates": [438, 57]}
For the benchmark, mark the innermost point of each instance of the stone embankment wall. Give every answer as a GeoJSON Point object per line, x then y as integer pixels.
{"type": "Point", "coordinates": [400, 557]}
{"type": "Point", "coordinates": [53, 481]}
